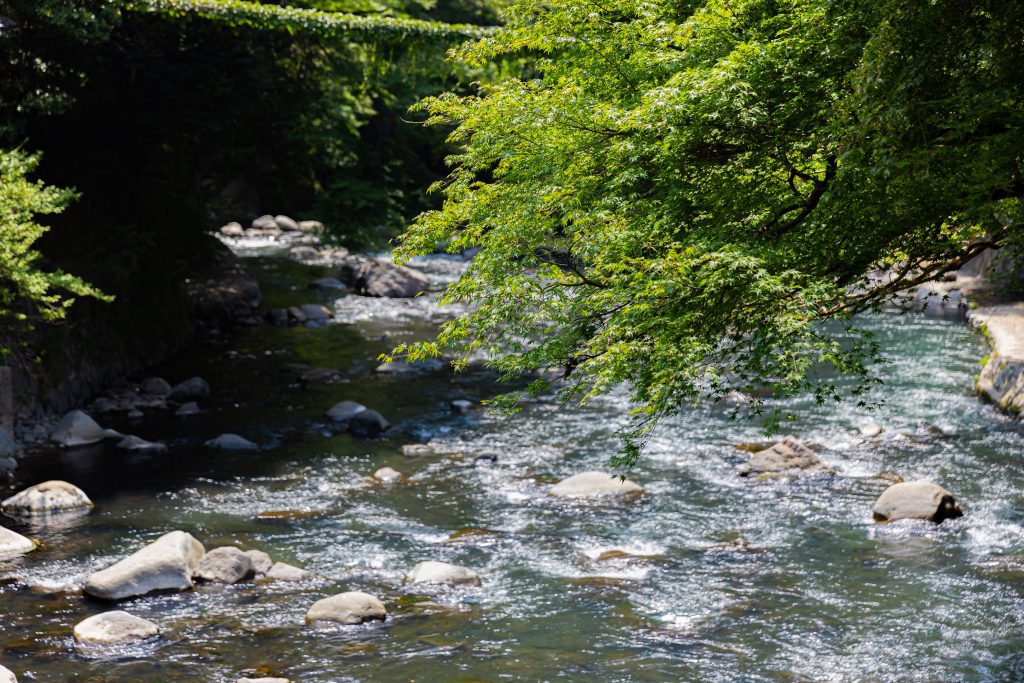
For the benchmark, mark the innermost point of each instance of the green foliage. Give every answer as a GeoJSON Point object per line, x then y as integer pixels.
{"type": "Point", "coordinates": [27, 291]}
{"type": "Point", "coordinates": [688, 197]}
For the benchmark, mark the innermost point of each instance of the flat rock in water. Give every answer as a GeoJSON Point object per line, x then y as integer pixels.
{"type": "Point", "coordinates": [226, 564]}
{"type": "Point", "coordinates": [114, 628]}
{"type": "Point", "coordinates": [191, 389]}
{"type": "Point", "coordinates": [916, 500]}
{"type": "Point", "coordinates": [7, 676]}
{"type": "Point", "coordinates": [282, 571]}
{"type": "Point", "coordinates": [232, 442]}
{"type": "Point", "coordinates": [870, 428]}
{"type": "Point", "coordinates": [345, 410]}
{"type": "Point", "coordinates": [13, 544]}
{"type": "Point", "coordinates": [594, 484]}
{"type": "Point", "coordinates": [261, 561]}
{"type": "Point", "coordinates": [187, 409]}
{"type": "Point", "coordinates": [786, 455]}
{"type": "Point", "coordinates": [77, 429]}
{"type": "Point", "coordinates": [416, 449]}
{"type": "Point", "coordinates": [354, 607]}
{"type": "Point", "coordinates": [48, 497]}
{"type": "Point", "coordinates": [368, 423]}
{"type": "Point", "coordinates": [167, 564]}
{"type": "Point", "coordinates": [387, 475]}
{"type": "Point", "coordinates": [442, 572]}
{"type": "Point", "coordinates": [135, 443]}
{"type": "Point", "coordinates": [381, 279]}
{"type": "Point", "coordinates": [156, 386]}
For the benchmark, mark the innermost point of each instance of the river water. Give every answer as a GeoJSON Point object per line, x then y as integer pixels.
{"type": "Point", "coordinates": [719, 578]}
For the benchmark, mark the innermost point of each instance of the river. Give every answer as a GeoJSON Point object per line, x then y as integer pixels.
{"type": "Point", "coordinates": [719, 578]}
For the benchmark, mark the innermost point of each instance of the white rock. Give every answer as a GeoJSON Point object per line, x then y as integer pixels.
{"type": "Point", "coordinates": [916, 500]}
{"type": "Point", "coordinates": [264, 222]}
{"type": "Point", "coordinates": [311, 226]}
{"type": "Point", "coordinates": [282, 571]}
{"type": "Point", "coordinates": [7, 676]}
{"type": "Point", "coordinates": [13, 544]}
{"type": "Point", "coordinates": [346, 608]}
{"type": "Point", "coordinates": [387, 475]}
{"type": "Point", "coordinates": [417, 449]}
{"type": "Point", "coordinates": [191, 389]}
{"type": "Point", "coordinates": [50, 496]}
{"type": "Point", "coordinates": [232, 442]}
{"type": "Point", "coordinates": [167, 564]}
{"type": "Point", "coordinates": [590, 484]}
{"type": "Point", "coordinates": [226, 564]}
{"type": "Point", "coordinates": [77, 429]}
{"type": "Point", "coordinates": [442, 572]}
{"type": "Point", "coordinates": [345, 410]}
{"type": "Point", "coordinates": [187, 409]}
{"type": "Point", "coordinates": [870, 428]}
{"type": "Point", "coordinates": [285, 223]}
{"type": "Point", "coordinates": [261, 561]}
{"type": "Point", "coordinates": [135, 443]}
{"type": "Point", "coordinates": [114, 628]}
{"type": "Point", "coordinates": [232, 229]}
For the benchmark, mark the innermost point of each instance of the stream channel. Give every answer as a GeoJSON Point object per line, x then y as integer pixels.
{"type": "Point", "coordinates": [719, 578]}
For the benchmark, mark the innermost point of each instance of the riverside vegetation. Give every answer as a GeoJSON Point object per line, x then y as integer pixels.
{"type": "Point", "coordinates": [659, 217]}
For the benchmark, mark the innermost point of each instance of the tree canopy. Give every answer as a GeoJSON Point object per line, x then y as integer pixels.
{"type": "Point", "coordinates": [690, 197]}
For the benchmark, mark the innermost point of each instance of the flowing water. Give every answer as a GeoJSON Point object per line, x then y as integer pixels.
{"type": "Point", "coordinates": [718, 578]}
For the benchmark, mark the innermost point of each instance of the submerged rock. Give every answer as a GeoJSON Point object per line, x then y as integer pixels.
{"type": "Point", "coordinates": [462, 406]}
{"type": "Point", "coordinates": [442, 572]}
{"type": "Point", "coordinates": [345, 410]}
{"type": "Point", "coordinates": [916, 500]}
{"type": "Point", "coordinates": [327, 283]}
{"type": "Point", "coordinates": [321, 376]}
{"type": "Point", "coordinates": [788, 454]}
{"type": "Point", "coordinates": [387, 475]}
{"type": "Point", "coordinates": [167, 564]}
{"type": "Point", "coordinates": [13, 544]}
{"type": "Point", "coordinates": [77, 429]}
{"type": "Point", "coordinates": [368, 423]}
{"type": "Point", "coordinates": [282, 571]}
{"type": "Point", "coordinates": [416, 449]}
{"type": "Point", "coordinates": [7, 676]}
{"type": "Point", "coordinates": [592, 484]}
{"type": "Point", "coordinates": [354, 607]}
{"type": "Point", "coordinates": [232, 442]}
{"type": "Point", "coordinates": [226, 564]}
{"type": "Point", "coordinates": [382, 279]}
{"type": "Point", "coordinates": [191, 389]}
{"type": "Point", "coordinates": [48, 497]}
{"type": "Point", "coordinates": [261, 561]}
{"type": "Point", "coordinates": [135, 443]}
{"type": "Point", "coordinates": [314, 313]}
{"type": "Point", "coordinates": [156, 386]}
{"type": "Point", "coordinates": [114, 628]}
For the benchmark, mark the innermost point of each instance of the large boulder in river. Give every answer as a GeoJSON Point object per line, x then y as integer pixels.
{"type": "Point", "coordinates": [46, 498]}
{"type": "Point", "coordinates": [77, 429]}
{"type": "Point", "coordinates": [387, 475]}
{"type": "Point", "coordinates": [282, 571]}
{"type": "Point", "coordinates": [13, 544]}
{"type": "Point", "coordinates": [191, 389]}
{"type": "Point", "coordinates": [261, 561]}
{"type": "Point", "coordinates": [226, 564]}
{"type": "Point", "coordinates": [232, 442]}
{"type": "Point", "coordinates": [383, 279]}
{"type": "Point", "coordinates": [354, 607]}
{"type": "Point", "coordinates": [786, 455]}
{"type": "Point", "coordinates": [368, 423]}
{"type": "Point", "coordinates": [442, 572]}
{"type": "Point", "coordinates": [7, 676]}
{"type": "Point", "coordinates": [916, 500]}
{"type": "Point", "coordinates": [167, 564]}
{"type": "Point", "coordinates": [114, 628]}
{"type": "Point", "coordinates": [345, 411]}
{"type": "Point", "coordinates": [594, 484]}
